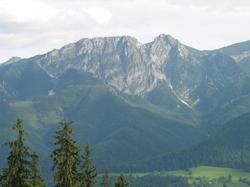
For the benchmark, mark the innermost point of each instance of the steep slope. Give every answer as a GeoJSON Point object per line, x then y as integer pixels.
{"type": "Point", "coordinates": [123, 63]}
{"type": "Point", "coordinates": [118, 131]}
{"type": "Point", "coordinates": [22, 80]}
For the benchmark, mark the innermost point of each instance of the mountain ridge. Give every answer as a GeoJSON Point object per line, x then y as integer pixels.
{"type": "Point", "coordinates": [139, 53]}
{"type": "Point", "coordinates": [134, 68]}
{"type": "Point", "coordinates": [219, 49]}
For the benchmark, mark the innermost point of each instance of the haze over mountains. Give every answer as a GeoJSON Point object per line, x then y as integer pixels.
{"type": "Point", "coordinates": [131, 101]}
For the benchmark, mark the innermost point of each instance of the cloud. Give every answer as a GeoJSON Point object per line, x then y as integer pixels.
{"type": "Point", "coordinates": [229, 5]}
{"type": "Point", "coordinates": [100, 15]}
{"type": "Point", "coordinates": [29, 27]}
{"type": "Point", "coordinates": [25, 10]}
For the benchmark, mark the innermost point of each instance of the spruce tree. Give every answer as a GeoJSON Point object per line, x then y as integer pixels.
{"type": "Point", "coordinates": [105, 179]}
{"type": "Point", "coordinates": [36, 178]}
{"type": "Point", "coordinates": [17, 172]}
{"type": "Point", "coordinates": [66, 157]}
{"type": "Point", "coordinates": [121, 181]}
{"type": "Point", "coordinates": [89, 173]}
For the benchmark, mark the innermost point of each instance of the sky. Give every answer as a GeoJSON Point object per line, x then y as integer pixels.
{"type": "Point", "coordinates": [31, 27]}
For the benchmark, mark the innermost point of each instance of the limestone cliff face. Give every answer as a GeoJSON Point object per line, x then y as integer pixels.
{"type": "Point", "coordinates": [123, 62]}
{"type": "Point", "coordinates": [134, 68]}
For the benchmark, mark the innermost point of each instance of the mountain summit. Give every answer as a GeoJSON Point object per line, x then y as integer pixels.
{"type": "Point", "coordinates": [137, 69]}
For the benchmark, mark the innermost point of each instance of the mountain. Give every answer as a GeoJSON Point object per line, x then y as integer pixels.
{"type": "Point", "coordinates": [131, 101]}
{"type": "Point", "coordinates": [240, 52]}
{"type": "Point", "coordinates": [13, 60]}
{"type": "Point", "coordinates": [235, 49]}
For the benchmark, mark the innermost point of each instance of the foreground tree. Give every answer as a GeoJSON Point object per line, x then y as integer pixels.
{"type": "Point", "coordinates": [89, 173]}
{"type": "Point", "coordinates": [105, 179]}
{"type": "Point", "coordinates": [17, 172]}
{"type": "Point", "coordinates": [121, 181]}
{"type": "Point", "coordinates": [66, 157]}
{"type": "Point", "coordinates": [36, 178]}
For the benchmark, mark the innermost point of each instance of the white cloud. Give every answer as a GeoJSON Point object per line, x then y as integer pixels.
{"type": "Point", "coordinates": [25, 10]}
{"type": "Point", "coordinates": [212, 4]}
{"type": "Point", "coordinates": [100, 15]}
{"type": "Point", "coordinates": [29, 27]}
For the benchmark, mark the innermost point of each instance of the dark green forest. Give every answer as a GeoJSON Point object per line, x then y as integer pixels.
{"type": "Point", "coordinates": [72, 165]}
{"type": "Point", "coordinates": [230, 147]}
{"type": "Point", "coordinates": [71, 168]}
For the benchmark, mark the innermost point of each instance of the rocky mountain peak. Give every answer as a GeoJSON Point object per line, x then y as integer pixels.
{"type": "Point", "coordinates": [166, 39]}
{"type": "Point", "coordinates": [134, 68]}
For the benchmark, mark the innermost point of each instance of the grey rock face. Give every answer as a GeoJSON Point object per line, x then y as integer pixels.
{"type": "Point", "coordinates": [116, 61]}
{"type": "Point", "coordinates": [123, 62]}
{"type": "Point", "coordinates": [134, 68]}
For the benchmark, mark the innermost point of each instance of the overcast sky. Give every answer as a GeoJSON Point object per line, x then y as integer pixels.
{"type": "Point", "coordinates": [29, 27]}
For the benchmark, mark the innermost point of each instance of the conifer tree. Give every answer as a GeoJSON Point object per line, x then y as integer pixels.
{"type": "Point", "coordinates": [105, 179]}
{"type": "Point", "coordinates": [89, 173]}
{"type": "Point", "coordinates": [36, 178]}
{"type": "Point", "coordinates": [121, 181]}
{"type": "Point", "coordinates": [66, 157]}
{"type": "Point", "coordinates": [17, 172]}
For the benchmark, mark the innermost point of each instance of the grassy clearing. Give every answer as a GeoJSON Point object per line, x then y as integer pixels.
{"type": "Point", "coordinates": [205, 176]}
{"type": "Point", "coordinates": [213, 176]}
{"type": "Point", "coordinates": [211, 172]}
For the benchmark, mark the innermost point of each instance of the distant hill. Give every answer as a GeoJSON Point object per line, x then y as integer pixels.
{"type": "Point", "coordinates": [230, 147]}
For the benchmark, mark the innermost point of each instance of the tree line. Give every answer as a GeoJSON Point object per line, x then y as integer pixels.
{"type": "Point", "coordinates": [71, 168]}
